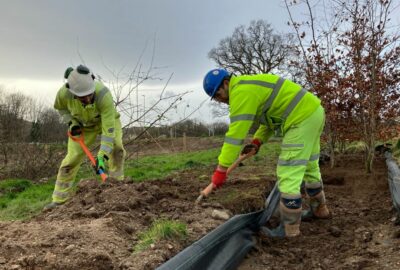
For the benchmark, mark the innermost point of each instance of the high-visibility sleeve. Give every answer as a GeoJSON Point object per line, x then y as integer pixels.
{"type": "Point", "coordinates": [61, 105]}
{"type": "Point", "coordinates": [107, 113]}
{"type": "Point", "coordinates": [243, 111]}
{"type": "Point", "coordinates": [263, 133]}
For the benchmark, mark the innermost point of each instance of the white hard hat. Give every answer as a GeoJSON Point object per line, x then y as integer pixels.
{"type": "Point", "coordinates": [81, 82]}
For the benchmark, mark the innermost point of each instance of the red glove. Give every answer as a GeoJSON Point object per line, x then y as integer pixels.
{"type": "Point", "coordinates": [255, 144]}
{"type": "Point", "coordinates": [219, 178]}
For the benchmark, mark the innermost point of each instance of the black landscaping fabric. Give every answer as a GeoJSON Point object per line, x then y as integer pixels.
{"type": "Point", "coordinates": [394, 180]}
{"type": "Point", "coordinates": [225, 246]}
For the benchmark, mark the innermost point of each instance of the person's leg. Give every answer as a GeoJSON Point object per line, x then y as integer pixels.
{"type": "Point", "coordinates": [117, 159]}
{"type": "Point", "coordinates": [290, 172]}
{"type": "Point", "coordinates": [290, 217]}
{"type": "Point", "coordinates": [70, 166]}
{"type": "Point", "coordinates": [313, 184]}
{"type": "Point", "coordinates": [296, 149]}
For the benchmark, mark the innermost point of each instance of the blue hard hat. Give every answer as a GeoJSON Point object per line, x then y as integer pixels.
{"type": "Point", "coordinates": [213, 79]}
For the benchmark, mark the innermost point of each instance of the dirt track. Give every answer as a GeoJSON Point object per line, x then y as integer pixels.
{"type": "Point", "coordinates": [98, 228]}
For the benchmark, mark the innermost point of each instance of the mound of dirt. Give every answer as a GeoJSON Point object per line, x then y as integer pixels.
{"type": "Point", "coordinates": [99, 227]}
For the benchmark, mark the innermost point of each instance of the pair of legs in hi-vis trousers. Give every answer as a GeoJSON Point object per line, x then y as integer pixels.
{"type": "Point", "coordinates": [72, 162]}
{"type": "Point", "coordinates": [298, 161]}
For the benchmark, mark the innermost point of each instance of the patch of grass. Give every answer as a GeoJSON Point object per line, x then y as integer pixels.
{"type": "Point", "coordinates": [236, 195]}
{"type": "Point", "coordinates": [355, 147]}
{"type": "Point", "coordinates": [231, 196]}
{"type": "Point", "coordinates": [396, 152]}
{"type": "Point", "coordinates": [161, 229]}
{"type": "Point", "coordinates": [12, 186]}
{"type": "Point", "coordinates": [160, 166]}
{"type": "Point", "coordinates": [23, 203]}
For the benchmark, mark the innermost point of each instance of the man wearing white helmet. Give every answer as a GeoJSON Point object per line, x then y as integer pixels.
{"type": "Point", "coordinates": [87, 106]}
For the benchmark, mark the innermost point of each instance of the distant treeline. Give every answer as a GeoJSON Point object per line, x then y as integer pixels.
{"type": "Point", "coordinates": [23, 119]}
{"type": "Point", "coordinates": [192, 128]}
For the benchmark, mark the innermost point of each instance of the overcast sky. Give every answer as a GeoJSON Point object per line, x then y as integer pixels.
{"type": "Point", "coordinates": [40, 38]}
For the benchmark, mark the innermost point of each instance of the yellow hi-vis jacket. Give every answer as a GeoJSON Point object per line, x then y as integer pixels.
{"type": "Point", "coordinates": [101, 113]}
{"type": "Point", "coordinates": [275, 102]}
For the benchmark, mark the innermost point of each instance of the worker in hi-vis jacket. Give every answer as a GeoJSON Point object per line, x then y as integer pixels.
{"type": "Point", "coordinates": [282, 107]}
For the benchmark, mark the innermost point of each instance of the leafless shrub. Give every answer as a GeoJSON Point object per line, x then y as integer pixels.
{"type": "Point", "coordinates": [30, 160]}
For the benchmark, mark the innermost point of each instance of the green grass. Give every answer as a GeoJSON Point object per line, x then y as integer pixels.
{"type": "Point", "coordinates": [355, 147]}
{"type": "Point", "coordinates": [161, 229]}
{"type": "Point", "coordinates": [10, 188]}
{"type": "Point", "coordinates": [231, 196]}
{"type": "Point", "coordinates": [21, 199]}
{"type": "Point", "coordinates": [13, 185]}
{"type": "Point", "coordinates": [155, 167]}
{"type": "Point", "coordinates": [396, 151]}
{"type": "Point", "coordinates": [160, 166]}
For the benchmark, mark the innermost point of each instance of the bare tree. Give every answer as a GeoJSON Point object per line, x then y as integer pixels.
{"type": "Point", "coordinates": [219, 109]}
{"type": "Point", "coordinates": [48, 127]}
{"type": "Point", "coordinates": [217, 128]}
{"type": "Point", "coordinates": [353, 65]}
{"type": "Point", "coordinates": [373, 54]}
{"type": "Point", "coordinates": [20, 117]}
{"type": "Point", "coordinates": [14, 109]}
{"type": "Point", "coordinates": [252, 50]}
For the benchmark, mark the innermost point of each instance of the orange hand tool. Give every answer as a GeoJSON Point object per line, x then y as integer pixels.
{"type": "Point", "coordinates": [80, 139]}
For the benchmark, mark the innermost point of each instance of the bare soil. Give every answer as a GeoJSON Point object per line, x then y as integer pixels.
{"type": "Point", "coordinates": [360, 234]}
{"type": "Point", "coordinates": [99, 226]}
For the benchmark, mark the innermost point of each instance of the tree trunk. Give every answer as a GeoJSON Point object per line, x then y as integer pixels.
{"type": "Point", "coordinates": [331, 145]}
{"type": "Point", "coordinates": [369, 159]}
{"type": "Point", "coordinates": [184, 142]}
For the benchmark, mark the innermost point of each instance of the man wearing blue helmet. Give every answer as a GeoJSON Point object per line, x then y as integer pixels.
{"type": "Point", "coordinates": [283, 108]}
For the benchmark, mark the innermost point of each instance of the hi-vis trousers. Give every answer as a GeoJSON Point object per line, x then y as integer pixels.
{"type": "Point", "coordinates": [299, 156]}
{"type": "Point", "coordinates": [72, 162]}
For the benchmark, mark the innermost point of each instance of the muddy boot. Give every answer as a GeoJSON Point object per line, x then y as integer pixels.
{"type": "Point", "coordinates": [290, 210]}
{"type": "Point", "coordinates": [278, 232]}
{"type": "Point", "coordinates": [318, 208]}
{"type": "Point", "coordinates": [51, 206]}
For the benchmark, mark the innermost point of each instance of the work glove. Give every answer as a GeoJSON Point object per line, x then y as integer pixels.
{"type": "Point", "coordinates": [100, 164]}
{"type": "Point", "coordinates": [219, 177]}
{"type": "Point", "coordinates": [255, 144]}
{"type": "Point", "coordinates": [74, 128]}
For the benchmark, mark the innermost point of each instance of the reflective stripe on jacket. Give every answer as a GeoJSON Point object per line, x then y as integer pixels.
{"type": "Point", "coordinates": [277, 103]}
{"type": "Point", "coordinates": [101, 113]}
